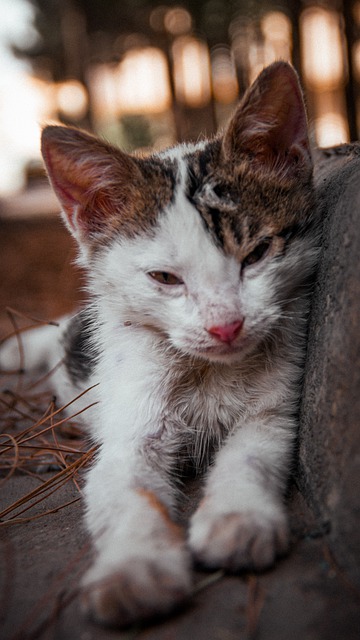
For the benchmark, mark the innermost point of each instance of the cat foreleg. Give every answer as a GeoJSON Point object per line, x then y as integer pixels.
{"type": "Point", "coordinates": [141, 567]}
{"type": "Point", "coordinates": [241, 522]}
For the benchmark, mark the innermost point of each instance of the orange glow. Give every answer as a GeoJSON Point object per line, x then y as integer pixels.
{"type": "Point", "coordinates": [39, 99]}
{"type": "Point", "coordinates": [225, 85]}
{"type": "Point", "coordinates": [356, 58]}
{"type": "Point", "coordinates": [276, 45]}
{"type": "Point", "coordinates": [72, 99]}
{"type": "Point", "coordinates": [277, 32]}
{"type": "Point", "coordinates": [331, 129]}
{"type": "Point", "coordinates": [143, 83]}
{"type": "Point", "coordinates": [103, 91]}
{"type": "Point", "coordinates": [177, 21]}
{"type": "Point", "coordinates": [322, 49]}
{"type": "Point", "coordinates": [191, 71]}
{"type": "Point", "coordinates": [29, 103]}
{"type": "Point", "coordinates": [256, 60]}
{"type": "Point", "coordinates": [139, 84]}
{"type": "Point", "coordinates": [356, 12]}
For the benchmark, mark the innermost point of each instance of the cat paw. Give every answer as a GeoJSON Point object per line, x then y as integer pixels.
{"type": "Point", "coordinates": [235, 541]}
{"type": "Point", "coordinates": [140, 589]}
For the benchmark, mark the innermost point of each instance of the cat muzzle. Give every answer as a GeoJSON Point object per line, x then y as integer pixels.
{"type": "Point", "coordinates": [227, 332]}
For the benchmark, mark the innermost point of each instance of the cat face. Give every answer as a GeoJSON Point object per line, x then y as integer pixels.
{"type": "Point", "coordinates": [204, 245]}
{"type": "Point", "coordinates": [208, 298]}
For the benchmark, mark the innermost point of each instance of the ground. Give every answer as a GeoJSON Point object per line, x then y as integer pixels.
{"type": "Point", "coordinates": [304, 597]}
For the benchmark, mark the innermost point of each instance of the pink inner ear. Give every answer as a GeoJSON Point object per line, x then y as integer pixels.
{"type": "Point", "coordinates": [95, 182]}
{"type": "Point", "coordinates": [69, 194]}
{"type": "Point", "coordinates": [271, 120]}
{"type": "Point", "coordinates": [290, 112]}
{"type": "Point", "coordinates": [77, 163]}
{"type": "Point", "coordinates": [66, 193]}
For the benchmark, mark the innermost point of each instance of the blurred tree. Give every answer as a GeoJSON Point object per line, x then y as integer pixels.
{"type": "Point", "coordinates": [108, 23]}
{"type": "Point", "coordinates": [74, 34]}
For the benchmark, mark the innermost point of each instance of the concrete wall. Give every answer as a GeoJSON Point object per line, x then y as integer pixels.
{"type": "Point", "coordinates": [329, 466]}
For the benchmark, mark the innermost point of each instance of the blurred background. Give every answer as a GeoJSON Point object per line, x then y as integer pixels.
{"type": "Point", "coordinates": [144, 74]}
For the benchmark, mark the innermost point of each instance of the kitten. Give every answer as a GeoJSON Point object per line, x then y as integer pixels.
{"type": "Point", "coordinates": [199, 260]}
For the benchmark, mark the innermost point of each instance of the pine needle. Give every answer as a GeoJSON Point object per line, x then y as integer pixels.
{"type": "Point", "coordinates": [37, 436]}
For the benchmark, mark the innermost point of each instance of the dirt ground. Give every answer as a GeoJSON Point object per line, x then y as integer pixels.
{"type": "Point", "coordinates": [305, 597]}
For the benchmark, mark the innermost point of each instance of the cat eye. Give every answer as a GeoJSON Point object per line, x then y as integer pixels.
{"type": "Point", "coordinates": [258, 253]}
{"type": "Point", "coordinates": [165, 278]}
{"type": "Point", "coordinates": [221, 190]}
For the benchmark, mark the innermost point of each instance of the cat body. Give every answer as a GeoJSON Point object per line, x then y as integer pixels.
{"type": "Point", "coordinates": [199, 261]}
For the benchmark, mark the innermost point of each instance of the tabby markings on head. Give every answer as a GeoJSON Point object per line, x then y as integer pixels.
{"type": "Point", "coordinates": [240, 206]}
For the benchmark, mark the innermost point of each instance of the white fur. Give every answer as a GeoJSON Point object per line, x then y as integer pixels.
{"type": "Point", "coordinates": [167, 384]}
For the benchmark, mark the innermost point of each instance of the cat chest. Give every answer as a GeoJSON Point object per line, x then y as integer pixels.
{"type": "Point", "coordinates": [199, 416]}
{"type": "Point", "coordinates": [200, 404]}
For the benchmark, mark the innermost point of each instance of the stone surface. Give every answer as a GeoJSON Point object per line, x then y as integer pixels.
{"type": "Point", "coordinates": [329, 470]}
{"type": "Point", "coordinates": [305, 596]}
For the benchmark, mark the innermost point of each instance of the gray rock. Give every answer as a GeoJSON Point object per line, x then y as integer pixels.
{"type": "Point", "coordinates": [329, 448]}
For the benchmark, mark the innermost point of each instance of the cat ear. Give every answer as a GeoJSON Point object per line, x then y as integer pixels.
{"type": "Point", "coordinates": [92, 180]}
{"type": "Point", "coordinates": [270, 125]}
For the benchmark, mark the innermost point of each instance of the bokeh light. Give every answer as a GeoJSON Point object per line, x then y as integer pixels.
{"type": "Point", "coordinates": [173, 77]}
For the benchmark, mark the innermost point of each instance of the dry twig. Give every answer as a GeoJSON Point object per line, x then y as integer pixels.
{"type": "Point", "coordinates": [37, 437]}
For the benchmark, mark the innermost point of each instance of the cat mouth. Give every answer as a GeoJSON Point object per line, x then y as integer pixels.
{"type": "Point", "coordinates": [225, 351]}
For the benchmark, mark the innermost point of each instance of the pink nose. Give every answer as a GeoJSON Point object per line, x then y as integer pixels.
{"type": "Point", "coordinates": [227, 332]}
